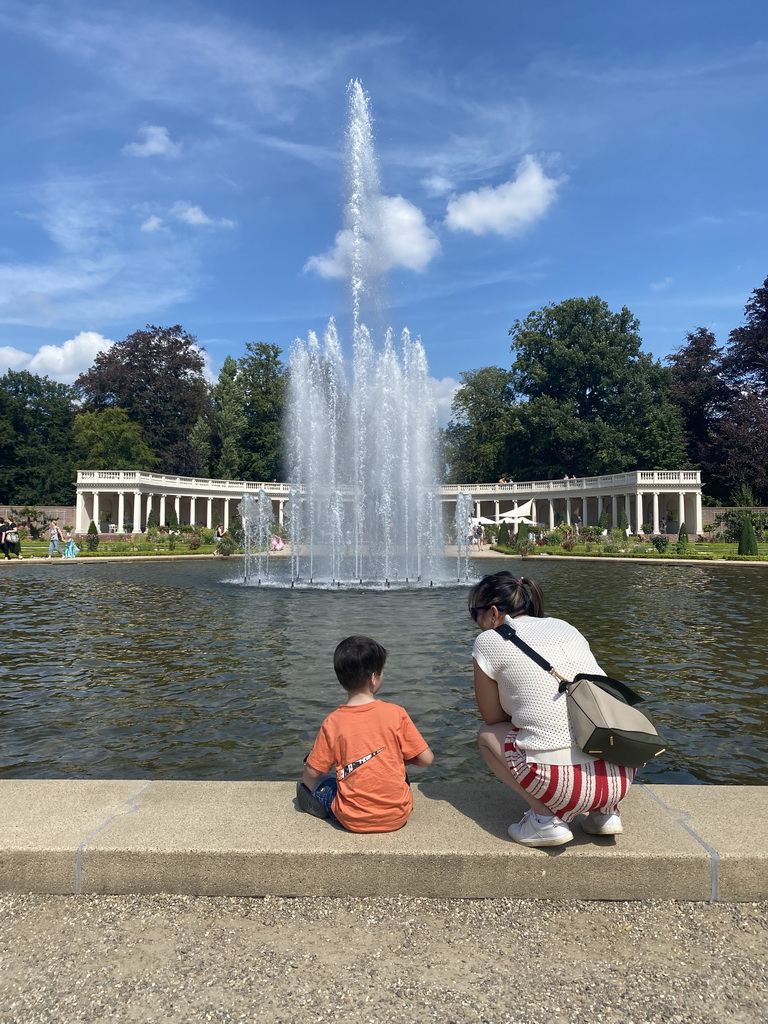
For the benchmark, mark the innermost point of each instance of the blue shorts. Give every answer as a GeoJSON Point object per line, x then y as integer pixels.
{"type": "Point", "coordinates": [325, 791]}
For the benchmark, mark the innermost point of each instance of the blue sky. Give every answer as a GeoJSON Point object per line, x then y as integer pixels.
{"type": "Point", "coordinates": [169, 162]}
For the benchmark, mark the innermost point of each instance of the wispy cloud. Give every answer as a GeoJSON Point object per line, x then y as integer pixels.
{"type": "Point", "coordinates": [195, 217]}
{"type": "Point", "coordinates": [661, 286]}
{"type": "Point", "coordinates": [157, 142]}
{"type": "Point", "coordinates": [508, 209]}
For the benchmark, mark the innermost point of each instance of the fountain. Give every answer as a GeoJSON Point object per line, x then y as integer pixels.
{"type": "Point", "coordinates": [361, 439]}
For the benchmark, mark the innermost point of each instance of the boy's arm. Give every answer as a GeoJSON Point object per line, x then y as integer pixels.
{"type": "Point", "coordinates": [424, 759]}
{"type": "Point", "coordinates": [310, 775]}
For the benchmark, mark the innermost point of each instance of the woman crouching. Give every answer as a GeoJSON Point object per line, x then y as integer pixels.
{"type": "Point", "coordinates": [527, 739]}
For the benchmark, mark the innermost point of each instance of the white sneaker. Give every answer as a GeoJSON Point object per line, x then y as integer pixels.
{"type": "Point", "coordinates": [596, 824]}
{"type": "Point", "coordinates": [529, 832]}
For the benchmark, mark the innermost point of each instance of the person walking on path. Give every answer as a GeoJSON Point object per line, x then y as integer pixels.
{"type": "Point", "coordinates": [9, 538]}
{"type": "Point", "coordinates": [57, 538]}
{"type": "Point", "coordinates": [526, 739]}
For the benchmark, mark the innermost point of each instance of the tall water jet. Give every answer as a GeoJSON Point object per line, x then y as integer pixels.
{"type": "Point", "coordinates": [361, 443]}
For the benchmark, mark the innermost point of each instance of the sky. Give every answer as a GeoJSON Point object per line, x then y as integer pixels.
{"type": "Point", "coordinates": [167, 162]}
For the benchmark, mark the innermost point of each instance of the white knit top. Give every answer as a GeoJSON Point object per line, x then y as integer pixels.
{"type": "Point", "coordinates": [528, 693]}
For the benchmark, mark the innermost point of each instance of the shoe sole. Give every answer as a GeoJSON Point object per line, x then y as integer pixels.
{"type": "Point", "coordinates": [604, 830]}
{"type": "Point", "coordinates": [308, 802]}
{"type": "Point", "coordinates": [560, 841]}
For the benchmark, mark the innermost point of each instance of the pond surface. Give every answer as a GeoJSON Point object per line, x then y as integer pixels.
{"type": "Point", "coordinates": [168, 670]}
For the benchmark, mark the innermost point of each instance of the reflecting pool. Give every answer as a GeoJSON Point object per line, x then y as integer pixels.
{"type": "Point", "coordinates": [173, 670]}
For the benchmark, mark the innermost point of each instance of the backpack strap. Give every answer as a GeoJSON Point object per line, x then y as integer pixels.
{"type": "Point", "coordinates": [508, 633]}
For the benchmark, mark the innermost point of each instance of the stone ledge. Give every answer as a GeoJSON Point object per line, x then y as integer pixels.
{"type": "Point", "coordinates": [249, 839]}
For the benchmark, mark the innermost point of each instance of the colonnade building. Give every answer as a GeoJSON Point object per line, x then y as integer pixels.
{"type": "Point", "coordinates": [120, 501]}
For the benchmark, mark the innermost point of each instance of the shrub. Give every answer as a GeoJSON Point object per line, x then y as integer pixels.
{"type": "Point", "coordinates": [747, 538]}
{"type": "Point", "coordinates": [172, 541]}
{"type": "Point", "coordinates": [556, 537]}
{"type": "Point", "coordinates": [623, 522]}
{"type": "Point", "coordinates": [195, 542]}
{"type": "Point", "coordinates": [227, 545]}
{"type": "Point", "coordinates": [682, 540]}
{"type": "Point", "coordinates": [152, 521]}
{"type": "Point", "coordinates": [92, 539]}
{"type": "Point", "coordinates": [504, 535]}
{"type": "Point", "coordinates": [604, 521]}
{"type": "Point", "coordinates": [661, 544]}
{"type": "Point", "coordinates": [172, 519]}
{"type": "Point", "coordinates": [567, 544]}
{"type": "Point", "coordinates": [646, 528]}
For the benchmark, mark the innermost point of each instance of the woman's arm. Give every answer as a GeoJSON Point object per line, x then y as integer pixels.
{"type": "Point", "coordinates": [487, 697]}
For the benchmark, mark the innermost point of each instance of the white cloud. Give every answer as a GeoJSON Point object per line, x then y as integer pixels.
{"type": "Point", "coordinates": [196, 217]}
{"type": "Point", "coordinates": [60, 362]}
{"type": "Point", "coordinates": [508, 209]}
{"type": "Point", "coordinates": [152, 224]}
{"type": "Point", "coordinates": [395, 234]}
{"type": "Point", "coordinates": [157, 142]}
{"type": "Point", "coordinates": [661, 286]}
{"type": "Point", "coordinates": [444, 389]}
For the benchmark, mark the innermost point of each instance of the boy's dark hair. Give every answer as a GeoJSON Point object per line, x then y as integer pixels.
{"type": "Point", "coordinates": [356, 659]}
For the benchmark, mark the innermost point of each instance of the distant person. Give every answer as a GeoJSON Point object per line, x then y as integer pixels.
{"type": "Point", "coordinates": [56, 539]}
{"type": "Point", "coordinates": [218, 534]}
{"type": "Point", "coordinates": [70, 548]}
{"type": "Point", "coordinates": [527, 740]}
{"type": "Point", "coordinates": [355, 771]}
{"type": "Point", "coordinates": [9, 538]}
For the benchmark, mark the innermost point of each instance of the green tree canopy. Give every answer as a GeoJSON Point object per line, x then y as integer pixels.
{"type": "Point", "coordinates": [36, 466]}
{"type": "Point", "coordinates": [476, 439]}
{"type": "Point", "coordinates": [262, 378]}
{"type": "Point", "coordinates": [593, 402]}
{"type": "Point", "coordinates": [698, 390]}
{"type": "Point", "coordinates": [228, 401]}
{"type": "Point", "coordinates": [107, 439]}
{"type": "Point", "coordinates": [156, 376]}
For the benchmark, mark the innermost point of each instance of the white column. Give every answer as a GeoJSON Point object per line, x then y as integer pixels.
{"type": "Point", "coordinates": [534, 516]}
{"type": "Point", "coordinates": [226, 514]}
{"type": "Point", "coordinates": [615, 511]}
{"type": "Point", "coordinates": [496, 510]}
{"type": "Point", "coordinates": [192, 501]}
{"type": "Point", "coordinates": [209, 514]}
{"type": "Point", "coordinates": [162, 510]}
{"type": "Point", "coordinates": [638, 512]}
{"type": "Point", "coordinates": [120, 511]}
{"type": "Point", "coordinates": [568, 511]}
{"type": "Point", "coordinates": [551, 513]}
{"type": "Point", "coordinates": [96, 508]}
{"type": "Point", "coordinates": [680, 509]}
{"type": "Point", "coordinates": [281, 511]}
{"type": "Point", "coordinates": [177, 506]}
{"type": "Point", "coordinates": [699, 516]}
{"type": "Point", "coordinates": [80, 522]}
{"type": "Point", "coordinates": [655, 511]}
{"type": "Point", "coordinates": [137, 517]}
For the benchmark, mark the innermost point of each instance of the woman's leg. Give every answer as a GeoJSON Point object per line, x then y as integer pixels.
{"type": "Point", "coordinates": [491, 739]}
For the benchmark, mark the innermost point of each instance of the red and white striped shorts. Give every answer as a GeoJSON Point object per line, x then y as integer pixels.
{"type": "Point", "coordinates": [570, 789]}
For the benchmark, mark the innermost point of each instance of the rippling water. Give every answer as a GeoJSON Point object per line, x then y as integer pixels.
{"type": "Point", "coordinates": [168, 670]}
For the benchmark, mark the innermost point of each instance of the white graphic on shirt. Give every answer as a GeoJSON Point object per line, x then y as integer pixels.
{"type": "Point", "coordinates": [349, 768]}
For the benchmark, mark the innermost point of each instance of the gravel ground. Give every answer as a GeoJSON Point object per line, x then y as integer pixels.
{"type": "Point", "coordinates": [194, 959]}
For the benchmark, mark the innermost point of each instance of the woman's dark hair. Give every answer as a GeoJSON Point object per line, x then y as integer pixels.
{"type": "Point", "coordinates": [356, 659]}
{"type": "Point", "coordinates": [509, 594]}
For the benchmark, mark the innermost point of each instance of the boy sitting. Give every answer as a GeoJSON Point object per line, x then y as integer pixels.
{"type": "Point", "coordinates": [369, 742]}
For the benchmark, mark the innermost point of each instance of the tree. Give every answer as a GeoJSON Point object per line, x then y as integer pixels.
{"type": "Point", "coordinates": [698, 390]}
{"type": "Point", "coordinates": [109, 440]}
{"type": "Point", "coordinates": [156, 376]}
{"type": "Point", "coordinates": [476, 439]}
{"type": "Point", "coordinates": [747, 538]}
{"type": "Point", "coordinates": [593, 402]}
{"type": "Point", "coordinates": [263, 381]}
{"type": "Point", "coordinates": [36, 465]}
{"type": "Point", "coordinates": [200, 443]}
{"type": "Point", "coordinates": [228, 401]}
{"type": "Point", "coordinates": [746, 361]}
{"type": "Point", "coordinates": [739, 450]}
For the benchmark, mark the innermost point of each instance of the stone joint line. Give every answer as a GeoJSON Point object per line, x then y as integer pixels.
{"type": "Point", "coordinates": [130, 808]}
{"type": "Point", "coordinates": [683, 817]}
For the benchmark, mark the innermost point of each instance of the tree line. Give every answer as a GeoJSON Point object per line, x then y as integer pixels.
{"type": "Point", "coordinates": [144, 404]}
{"type": "Point", "coordinates": [579, 398]}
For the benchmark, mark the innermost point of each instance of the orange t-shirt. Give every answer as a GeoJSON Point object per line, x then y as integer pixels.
{"type": "Point", "coordinates": [368, 745]}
